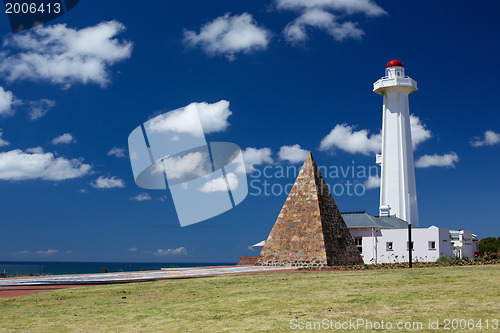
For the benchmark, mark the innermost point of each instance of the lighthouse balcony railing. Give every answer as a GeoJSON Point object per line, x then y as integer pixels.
{"type": "Point", "coordinates": [395, 77]}
{"type": "Point", "coordinates": [395, 80]}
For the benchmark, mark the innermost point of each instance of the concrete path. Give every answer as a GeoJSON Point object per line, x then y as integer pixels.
{"type": "Point", "coordinates": [105, 278]}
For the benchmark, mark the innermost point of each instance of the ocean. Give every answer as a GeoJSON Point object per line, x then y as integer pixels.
{"type": "Point", "coordinates": [62, 268]}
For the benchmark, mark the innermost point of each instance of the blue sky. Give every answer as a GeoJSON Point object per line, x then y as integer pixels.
{"type": "Point", "coordinates": [294, 72]}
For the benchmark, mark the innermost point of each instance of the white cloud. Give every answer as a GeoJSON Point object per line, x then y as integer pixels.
{"type": "Point", "coordinates": [318, 14]}
{"type": "Point", "coordinates": [490, 138]}
{"type": "Point", "coordinates": [3, 142]}
{"type": "Point", "coordinates": [293, 154]}
{"type": "Point", "coordinates": [169, 252]}
{"type": "Point", "coordinates": [63, 139]}
{"type": "Point", "coordinates": [63, 55]}
{"type": "Point", "coordinates": [117, 152]}
{"type": "Point", "coordinates": [108, 182]}
{"type": "Point", "coordinates": [367, 7]}
{"type": "Point", "coordinates": [446, 160]}
{"type": "Point", "coordinates": [18, 165]}
{"type": "Point", "coordinates": [133, 249]}
{"type": "Point", "coordinates": [141, 197]}
{"type": "Point", "coordinates": [48, 252]}
{"type": "Point", "coordinates": [213, 118]}
{"type": "Point", "coordinates": [419, 132]}
{"type": "Point", "coordinates": [38, 109]}
{"type": "Point", "coordinates": [41, 252]}
{"type": "Point", "coordinates": [345, 138]}
{"type": "Point", "coordinates": [219, 184]}
{"type": "Point", "coordinates": [254, 157]}
{"type": "Point", "coordinates": [228, 35]}
{"type": "Point", "coordinates": [296, 31]}
{"type": "Point", "coordinates": [35, 150]}
{"type": "Point", "coordinates": [372, 182]}
{"type": "Point", "coordinates": [195, 164]}
{"type": "Point", "coordinates": [7, 100]}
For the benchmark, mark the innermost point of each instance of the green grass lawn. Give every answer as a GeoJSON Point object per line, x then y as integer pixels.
{"type": "Point", "coordinates": [264, 302]}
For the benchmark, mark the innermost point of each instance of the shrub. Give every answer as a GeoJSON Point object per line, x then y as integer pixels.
{"type": "Point", "coordinates": [443, 259]}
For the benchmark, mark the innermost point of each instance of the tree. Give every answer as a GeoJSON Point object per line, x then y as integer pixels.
{"type": "Point", "coordinates": [489, 245]}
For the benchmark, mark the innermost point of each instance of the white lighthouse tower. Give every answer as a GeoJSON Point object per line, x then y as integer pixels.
{"type": "Point", "coordinates": [398, 193]}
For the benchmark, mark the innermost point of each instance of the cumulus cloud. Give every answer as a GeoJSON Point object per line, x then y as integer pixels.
{"type": "Point", "coordinates": [18, 165]}
{"type": "Point", "coordinates": [141, 197]}
{"type": "Point", "coordinates": [219, 184]}
{"type": "Point", "coordinates": [372, 182]}
{"type": "Point", "coordinates": [170, 252]}
{"type": "Point", "coordinates": [38, 109]}
{"type": "Point", "coordinates": [62, 55]}
{"type": "Point", "coordinates": [292, 154]}
{"type": "Point", "coordinates": [35, 150]}
{"type": "Point", "coordinates": [367, 7]}
{"type": "Point", "coordinates": [346, 138]}
{"type": "Point", "coordinates": [419, 131]}
{"type": "Point", "coordinates": [228, 35]}
{"type": "Point", "coordinates": [3, 142]}
{"type": "Point", "coordinates": [446, 160]}
{"type": "Point", "coordinates": [318, 14]}
{"type": "Point", "coordinates": [213, 118]}
{"type": "Point", "coordinates": [296, 31]}
{"type": "Point", "coordinates": [7, 100]}
{"type": "Point", "coordinates": [118, 152]}
{"type": "Point", "coordinates": [194, 164]}
{"type": "Point", "coordinates": [490, 138]}
{"type": "Point", "coordinates": [108, 182]}
{"type": "Point", "coordinates": [63, 139]}
{"type": "Point", "coordinates": [254, 157]}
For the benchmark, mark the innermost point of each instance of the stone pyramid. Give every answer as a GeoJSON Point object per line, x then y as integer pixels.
{"type": "Point", "coordinates": [310, 230]}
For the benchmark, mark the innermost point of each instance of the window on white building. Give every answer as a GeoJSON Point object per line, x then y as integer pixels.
{"type": "Point", "coordinates": [388, 246]}
{"type": "Point", "coordinates": [359, 243]}
{"type": "Point", "coordinates": [412, 246]}
{"type": "Point", "coordinates": [432, 245]}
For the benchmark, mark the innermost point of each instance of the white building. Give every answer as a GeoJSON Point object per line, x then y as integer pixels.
{"type": "Point", "coordinates": [384, 239]}
{"type": "Point", "coordinates": [464, 243]}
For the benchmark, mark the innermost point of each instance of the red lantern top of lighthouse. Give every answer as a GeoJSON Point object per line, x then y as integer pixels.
{"type": "Point", "coordinates": [393, 63]}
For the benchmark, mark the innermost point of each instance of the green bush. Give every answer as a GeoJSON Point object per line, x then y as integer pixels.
{"type": "Point", "coordinates": [443, 259]}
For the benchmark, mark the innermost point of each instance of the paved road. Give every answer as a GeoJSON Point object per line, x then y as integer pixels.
{"type": "Point", "coordinates": [135, 276]}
